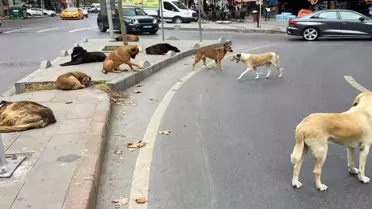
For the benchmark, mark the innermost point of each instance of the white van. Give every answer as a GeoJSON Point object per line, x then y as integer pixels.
{"type": "Point", "coordinates": [174, 11]}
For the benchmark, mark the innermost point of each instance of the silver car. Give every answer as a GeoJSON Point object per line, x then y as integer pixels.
{"type": "Point", "coordinates": [330, 23]}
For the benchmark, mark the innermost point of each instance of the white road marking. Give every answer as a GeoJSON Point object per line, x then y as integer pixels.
{"type": "Point", "coordinates": [45, 30]}
{"type": "Point", "coordinates": [17, 30]}
{"type": "Point", "coordinates": [141, 176]}
{"type": "Point", "coordinates": [354, 83]}
{"type": "Point", "coordinates": [80, 29]}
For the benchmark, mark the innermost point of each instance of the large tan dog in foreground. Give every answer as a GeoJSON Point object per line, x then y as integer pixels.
{"type": "Point", "coordinates": [73, 81]}
{"type": "Point", "coordinates": [24, 115]}
{"type": "Point", "coordinates": [352, 129]}
{"type": "Point", "coordinates": [216, 54]}
{"type": "Point", "coordinates": [256, 60]}
{"type": "Point", "coordinates": [120, 56]}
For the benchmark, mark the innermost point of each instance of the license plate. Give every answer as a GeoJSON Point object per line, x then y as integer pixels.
{"type": "Point", "coordinates": [147, 26]}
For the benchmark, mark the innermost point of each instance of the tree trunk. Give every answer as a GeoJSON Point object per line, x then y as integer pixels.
{"type": "Point", "coordinates": [123, 29]}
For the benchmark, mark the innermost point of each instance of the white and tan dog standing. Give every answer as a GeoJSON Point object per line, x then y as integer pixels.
{"type": "Point", "coordinates": [257, 60]}
{"type": "Point", "coordinates": [352, 129]}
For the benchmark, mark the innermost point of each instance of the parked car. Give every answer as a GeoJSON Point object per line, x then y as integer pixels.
{"type": "Point", "coordinates": [331, 23]}
{"type": "Point", "coordinates": [34, 12]}
{"type": "Point", "coordinates": [174, 11]}
{"type": "Point", "coordinates": [72, 13]}
{"type": "Point", "coordinates": [85, 11]}
{"type": "Point", "coordinates": [50, 13]}
{"type": "Point", "coordinates": [95, 8]}
{"type": "Point", "coordinates": [136, 21]}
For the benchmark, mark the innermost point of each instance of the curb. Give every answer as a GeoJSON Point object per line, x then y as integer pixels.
{"type": "Point", "coordinates": [124, 82]}
{"type": "Point", "coordinates": [83, 190]}
{"type": "Point", "coordinates": [239, 30]}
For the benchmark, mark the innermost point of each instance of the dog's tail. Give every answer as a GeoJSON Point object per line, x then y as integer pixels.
{"type": "Point", "coordinates": [300, 148]}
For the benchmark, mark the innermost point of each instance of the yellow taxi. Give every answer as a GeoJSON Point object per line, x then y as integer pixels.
{"type": "Point", "coordinates": [72, 13]}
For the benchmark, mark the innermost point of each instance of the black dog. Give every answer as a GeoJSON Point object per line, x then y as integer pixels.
{"type": "Point", "coordinates": [161, 49]}
{"type": "Point", "coordinates": [80, 56]}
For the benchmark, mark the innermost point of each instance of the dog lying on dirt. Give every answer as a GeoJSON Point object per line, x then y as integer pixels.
{"type": "Point", "coordinates": [161, 49]}
{"type": "Point", "coordinates": [127, 37]}
{"type": "Point", "coordinates": [216, 54]}
{"type": "Point", "coordinates": [256, 60]}
{"type": "Point", "coordinates": [119, 56]}
{"type": "Point", "coordinates": [352, 129]}
{"type": "Point", "coordinates": [24, 115]}
{"type": "Point", "coordinates": [80, 56]}
{"type": "Point", "coordinates": [73, 81]}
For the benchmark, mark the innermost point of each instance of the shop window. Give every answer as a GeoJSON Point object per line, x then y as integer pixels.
{"type": "Point", "coordinates": [349, 16]}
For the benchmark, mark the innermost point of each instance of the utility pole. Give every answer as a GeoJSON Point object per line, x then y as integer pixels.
{"type": "Point", "coordinates": [109, 16]}
{"type": "Point", "coordinates": [162, 19]}
{"type": "Point", "coordinates": [199, 21]}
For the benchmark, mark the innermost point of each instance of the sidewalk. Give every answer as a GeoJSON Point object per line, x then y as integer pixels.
{"type": "Point", "coordinates": [63, 160]}
{"type": "Point", "coordinates": [249, 26]}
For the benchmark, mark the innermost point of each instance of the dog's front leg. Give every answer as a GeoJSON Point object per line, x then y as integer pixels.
{"type": "Point", "coordinates": [363, 153]}
{"type": "Point", "coordinates": [350, 161]}
{"type": "Point", "coordinates": [257, 74]}
{"type": "Point", "coordinates": [246, 71]}
{"type": "Point", "coordinates": [134, 64]}
{"type": "Point", "coordinates": [268, 71]}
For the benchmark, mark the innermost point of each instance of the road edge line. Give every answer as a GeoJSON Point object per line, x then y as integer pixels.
{"type": "Point", "coordinates": [355, 84]}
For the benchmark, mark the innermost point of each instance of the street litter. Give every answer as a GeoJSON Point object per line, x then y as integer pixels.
{"type": "Point", "coordinates": [141, 200]}
{"type": "Point", "coordinates": [165, 132]}
{"type": "Point", "coordinates": [121, 201]}
{"type": "Point", "coordinates": [138, 144]}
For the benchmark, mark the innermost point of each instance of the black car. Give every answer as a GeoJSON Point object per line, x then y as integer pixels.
{"type": "Point", "coordinates": [136, 21]}
{"type": "Point", "coordinates": [331, 23]}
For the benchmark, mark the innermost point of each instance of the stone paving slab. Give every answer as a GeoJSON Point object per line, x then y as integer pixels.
{"type": "Point", "coordinates": [61, 157]}
{"type": "Point", "coordinates": [94, 70]}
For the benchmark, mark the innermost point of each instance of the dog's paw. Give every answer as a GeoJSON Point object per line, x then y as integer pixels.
{"type": "Point", "coordinates": [322, 187]}
{"type": "Point", "coordinates": [296, 184]}
{"type": "Point", "coordinates": [364, 179]}
{"type": "Point", "coordinates": [266, 77]}
{"type": "Point", "coordinates": [353, 171]}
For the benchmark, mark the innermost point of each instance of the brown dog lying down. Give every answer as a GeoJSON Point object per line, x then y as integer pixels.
{"type": "Point", "coordinates": [216, 54]}
{"type": "Point", "coordinates": [24, 115]}
{"type": "Point", "coordinates": [120, 56]}
{"type": "Point", "coordinates": [127, 37]}
{"type": "Point", "coordinates": [72, 81]}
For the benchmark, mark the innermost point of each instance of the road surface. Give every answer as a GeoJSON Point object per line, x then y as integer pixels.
{"type": "Point", "coordinates": [230, 140]}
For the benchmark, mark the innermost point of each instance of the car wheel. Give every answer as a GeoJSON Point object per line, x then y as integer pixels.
{"type": "Point", "coordinates": [153, 32]}
{"type": "Point", "coordinates": [310, 34]}
{"type": "Point", "coordinates": [177, 20]}
{"type": "Point", "coordinates": [28, 14]}
{"type": "Point", "coordinates": [101, 27]}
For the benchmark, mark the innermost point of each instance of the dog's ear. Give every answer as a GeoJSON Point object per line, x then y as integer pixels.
{"type": "Point", "coordinates": [356, 101]}
{"type": "Point", "coordinates": [134, 49]}
{"type": "Point", "coordinates": [89, 78]}
{"type": "Point", "coordinates": [225, 45]}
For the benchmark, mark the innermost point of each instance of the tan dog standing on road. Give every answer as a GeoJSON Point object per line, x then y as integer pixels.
{"type": "Point", "coordinates": [73, 81]}
{"type": "Point", "coordinates": [352, 129]}
{"type": "Point", "coordinates": [24, 115]}
{"type": "Point", "coordinates": [127, 37]}
{"type": "Point", "coordinates": [256, 60]}
{"type": "Point", "coordinates": [120, 56]}
{"type": "Point", "coordinates": [216, 54]}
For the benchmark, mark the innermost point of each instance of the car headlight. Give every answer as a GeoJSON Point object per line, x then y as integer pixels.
{"type": "Point", "coordinates": [154, 21]}
{"type": "Point", "coordinates": [135, 21]}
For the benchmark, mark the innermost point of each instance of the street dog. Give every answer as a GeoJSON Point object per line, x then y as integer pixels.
{"type": "Point", "coordinates": [80, 56]}
{"type": "Point", "coordinates": [127, 37]}
{"type": "Point", "coordinates": [352, 129]}
{"type": "Point", "coordinates": [119, 56]}
{"type": "Point", "coordinates": [161, 49]}
{"type": "Point", "coordinates": [73, 81]}
{"type": "Point", "coordinates": [257, 60]}
{"type": "Point", "coordinates": [24, 115]}
{"type": "Point", "coordinates": [216, 54]}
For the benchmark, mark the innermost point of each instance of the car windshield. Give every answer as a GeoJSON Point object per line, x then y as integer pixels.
{"type": "Point", "coordinates": [133, 12]}
{"type": "Point", "coordinates": [71, 10]}
{"type": "Point", "coordinates": [179, 5]}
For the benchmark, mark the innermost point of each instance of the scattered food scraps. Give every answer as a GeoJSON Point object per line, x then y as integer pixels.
{"type": "Point", "coordinates": [138, 144]}
{"type": "Point", "coordinates": [138, 92]}
{"type": "Point", "coordinates": [139, 85]}
{"type": "Point", "coordinates": [141, 200]}
{"type": "Point", "coordinates": [69, 102]}
{"type": "Point", "coordinates": [125, 113]}
{"type": "Point", "coordinates": [130, 149]}
{"type": "Point", "coordinates": [121, 201]}
{"type": "Point", "coordinates": [165, 132]}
